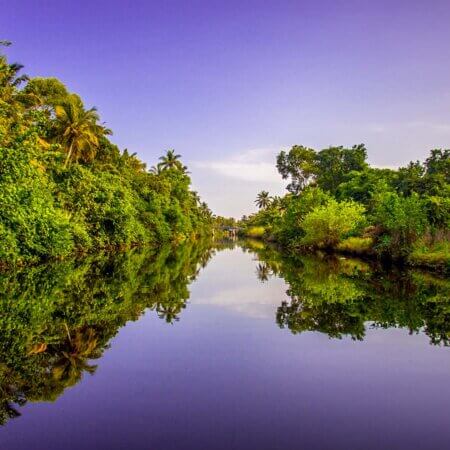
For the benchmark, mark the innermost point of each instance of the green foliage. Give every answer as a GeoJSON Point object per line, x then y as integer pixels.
{"type": "Point", "coordinates": [438, 211]}
{"type": "Point", "coordinates": [65, 186]}
{"type": "Point", "coordinates": [334, 164]}
{"type": "Point", "coordinates": [32, 226]}
{"type": "Point", "coordinates": [400, 221]}
{"type": "Point", "coordinates": [299, 165]}
{"type": "Point", "coordinates": [363, 186]}
{"type": "Point", "coordinates": [435, 254]}
{"type": "Point", "coordinates": [327, 168]}
{"type": "Point", "coordinates": [289, 229]}
{"type": "Point", "coordinates": [255, 232]}
{"type": "Point", "coordinates": [400, 205]}
{"type": "Point", "coordinates": [326, 225]}
{"type": "Point", "coordinates": [104, 204]}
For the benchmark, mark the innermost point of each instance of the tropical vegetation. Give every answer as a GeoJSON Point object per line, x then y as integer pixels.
{"type": "Point", "coordinates": [65, 187]}
{"type": "Point", "coordinates": [336, 201]}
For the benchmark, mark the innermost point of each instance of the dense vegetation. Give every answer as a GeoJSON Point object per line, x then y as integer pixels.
{"type": "Point", "coordinates": [336, 201]}
{"type": "Point", "coordinates": [65, 187]}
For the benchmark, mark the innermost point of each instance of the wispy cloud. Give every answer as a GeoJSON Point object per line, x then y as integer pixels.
{"type": "Point", "coordinates": [254, 165]}
{"type": "Point", "coordinates": [433, 126]}
{"type": "Point", "coordinates": [416, 125]}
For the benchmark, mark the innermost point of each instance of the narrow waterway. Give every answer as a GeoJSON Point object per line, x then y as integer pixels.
{"type": "Point", "coordinates": [230, 348]}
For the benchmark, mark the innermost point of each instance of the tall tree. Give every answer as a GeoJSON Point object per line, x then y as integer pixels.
{"type": "Point", "coordinates": [78, 130]}
{"type": "Point", "coordinates": [171, 160]}
{"type": "Point", "coordinates": [334, 164]}
{"type": "Point", "coordinates": [263, 199]}
{"type": "Point", "coordinates": [299, 165]}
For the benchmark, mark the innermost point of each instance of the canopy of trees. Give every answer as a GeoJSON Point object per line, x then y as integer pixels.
{"type": "Point", "coordinates": [337, 201]}
{"type": "Point", "coordinates": [65, 187]}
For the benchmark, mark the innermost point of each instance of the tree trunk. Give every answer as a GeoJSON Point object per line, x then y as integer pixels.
{"type": "Point", "coordinates": [69, 154]}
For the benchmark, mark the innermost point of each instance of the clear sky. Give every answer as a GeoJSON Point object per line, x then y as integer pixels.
{"type": "Point", "coordinates": [228, 84]}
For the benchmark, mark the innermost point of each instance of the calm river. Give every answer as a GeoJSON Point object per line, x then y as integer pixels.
{"type": "Point", "coordinates": [230, 348]}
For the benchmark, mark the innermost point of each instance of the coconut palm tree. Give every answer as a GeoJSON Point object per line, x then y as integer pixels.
{"type": "Point", "coordinates": [156, 170]}
{"type": "Point", "coordinates": [263, 271]}
{"type": "Point", "coordinates": [77, 130]}
{"type": "Point", "coordinates": [170, 160]}
{"type": "Point", "coordinates": [263, 199]}
{"type": "Point", "coordinates": [132, 161]}
{"type": "Point", "coordinates": [205, 211]}
{"type": "Point", "coordinates": [196, 197]}
{"type": "Point", "coordinates": [9, 72]}
{"type": "Point", "coordinates": [74, 355]}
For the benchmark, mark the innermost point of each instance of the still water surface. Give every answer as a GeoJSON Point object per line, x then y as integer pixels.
{"type": "Point", "coordinates": [231, 348]}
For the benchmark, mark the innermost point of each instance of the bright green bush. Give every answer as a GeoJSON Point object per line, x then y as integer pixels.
{"type": "Point", "coordinates": [289, 229]}
{"type": "Point", "coordinates": [326, 225]}
{"type": "Point", "coordinates": [255, 232]}
{"type": "Point", "coordinates": [104, 204]}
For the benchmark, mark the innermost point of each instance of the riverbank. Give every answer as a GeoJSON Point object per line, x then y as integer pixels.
{"type": "Point", "coordinates": [434, 257]}
{"type": "Point", "coordinates": [203, 240]}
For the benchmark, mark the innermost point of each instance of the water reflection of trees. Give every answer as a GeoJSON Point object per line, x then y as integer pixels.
{"type": "Point", "coordinates": [55, 320]}
{"type": "Point", "coordinates": [342, 297]}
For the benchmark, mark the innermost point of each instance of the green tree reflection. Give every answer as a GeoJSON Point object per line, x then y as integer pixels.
{"type": "Point", "coordinates": [343, 297]}
{"type": "Point", "coordinates": [56, 319]}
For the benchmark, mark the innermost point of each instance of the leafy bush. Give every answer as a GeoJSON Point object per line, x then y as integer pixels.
{"type": "Point", "coordinates": [401, 220]}
{"type": "Point", "coordinates": [255, 232]}
{"type": "Point", "coordinates": [289, 229]}
{"type": "Point", "coordinates": [326, 225]}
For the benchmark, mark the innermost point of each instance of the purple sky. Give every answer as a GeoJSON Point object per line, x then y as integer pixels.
{"type": "Point", "coordinates": [228, 84]}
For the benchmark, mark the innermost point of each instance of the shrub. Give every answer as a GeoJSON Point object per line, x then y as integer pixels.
{"type": "Point", "coordinates": [255, 232]}
{"type": "Point", "coordinates": [401, 220]}
{"type": "Point", "coordinates": [289, 229]}
{"type": "Point", "coordinates": [326, 225]}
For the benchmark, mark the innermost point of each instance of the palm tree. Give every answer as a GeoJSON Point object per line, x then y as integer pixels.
{"type": "Point", "coordinates": [263, 199]}
{"type": "Point", "coordinates": [132, 161]}
{"type": "Point", "coordinates": [205, 211]}
{"type": "Point", "coordinates": [77, 130]}
{"type": "Point", "coordinates": [196, 197]}
{"type": "Point", "coordinates": [73, 356]}
{"type": "Point", "coordinates": [156, 170]}
{"type": "Point", "coordinates": [170, 160]}
{"type": "Point", "coordinates": [263, 271]}
{"type": "Point", "coordinates": [9, 72]}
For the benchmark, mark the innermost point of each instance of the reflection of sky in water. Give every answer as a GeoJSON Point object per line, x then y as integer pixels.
{"type": "Point", "coordinates": [221, 379]}
{"type": "Point", "coordinates": [229, 281]}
